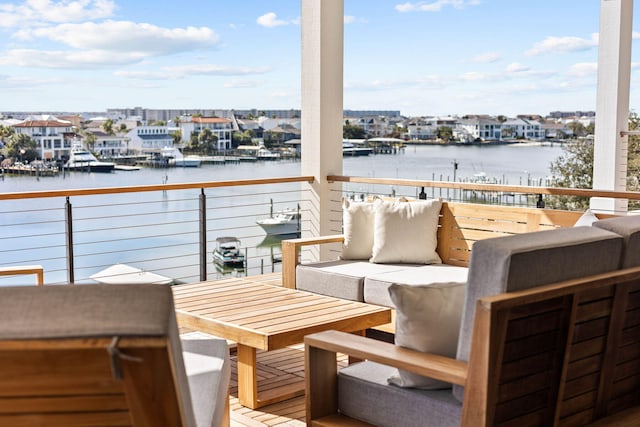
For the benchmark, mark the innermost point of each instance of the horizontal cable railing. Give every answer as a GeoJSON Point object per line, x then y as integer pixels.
{"type": "Point", "coordinates": [476, 192]}
{"type": "Point", "coordinates": [534, 195]}
{"type": "Point", "coordinates": [169, 230]}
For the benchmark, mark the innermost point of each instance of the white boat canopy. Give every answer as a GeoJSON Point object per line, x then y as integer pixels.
{"type": "Point", "coordinates": [120, 274]}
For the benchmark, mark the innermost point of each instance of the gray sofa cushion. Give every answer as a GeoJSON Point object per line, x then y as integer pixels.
{"type": "Point", "coordinates": [524, 261]}
{"type": "Point", "coordinates": [365, 395]}
{"type": "Point", "coordinates": [340, 278]}
{"type": "Point", "coordinates": [376, 286]}
{"type": "Point", "coordinates": [206, 361]}
{"type": "Point", "coordinates": [629, 228]}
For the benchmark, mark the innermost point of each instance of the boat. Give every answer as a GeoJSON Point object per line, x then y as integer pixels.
{"type": "Point", "coordinates": [84, 161]}
{"type": "Point", "coordinates": [285, 222]}
{"type": "Point", "coordinates": [228, 252]}
{"type": "Point", "coordinates": [119, 274]}
{"type": "Point", "coordinates": [175, 157]}
{"type": "Point", "coordinates": [350, 149]}
{"type": "Point", "coordinates": [264, 154]}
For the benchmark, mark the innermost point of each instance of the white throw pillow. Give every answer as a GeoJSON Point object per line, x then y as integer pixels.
{"type": "Point", "coordinates": [357, 223]}
{"type": "Point", "coordinates": [406, 232]}
{"type": "Point", "coordinates": [428, 320]}
{"type": "Point", "coordinates": [587, 218]}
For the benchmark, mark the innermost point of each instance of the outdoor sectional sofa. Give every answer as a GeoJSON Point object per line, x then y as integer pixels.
{"type": "Point", "coordinates": [555, 340]}
{"type": "Point", "coordinates": [408, 243]}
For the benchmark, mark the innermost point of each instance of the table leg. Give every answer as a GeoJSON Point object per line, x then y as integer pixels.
{"type": "Point", "coordinates": [352, 360]}
{"type": "Point", "coordinates": [247, 376]}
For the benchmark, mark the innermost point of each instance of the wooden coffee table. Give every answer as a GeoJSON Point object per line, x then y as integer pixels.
{"type": "Point", "coordinates": [267, 317]}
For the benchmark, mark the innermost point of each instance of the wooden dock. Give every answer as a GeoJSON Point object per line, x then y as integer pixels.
{"type": "Point", "coordinates": [30, 170]}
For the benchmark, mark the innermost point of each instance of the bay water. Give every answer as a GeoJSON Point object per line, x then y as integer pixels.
{"type": "Point", "coordinates": [33, 231]}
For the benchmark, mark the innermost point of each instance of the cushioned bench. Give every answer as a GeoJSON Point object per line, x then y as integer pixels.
{"type": "Point", "coordinates": [442, 233]}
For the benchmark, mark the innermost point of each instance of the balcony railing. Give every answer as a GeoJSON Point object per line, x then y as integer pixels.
{"type": "Point", "coordinates": [171, 229]}
{"type": "Point", "coordinates": [166, 229]}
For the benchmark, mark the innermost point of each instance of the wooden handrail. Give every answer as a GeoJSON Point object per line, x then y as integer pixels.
{"type": "Point", "coordinates": [555, 191]}
{"type": "Point", "coordinates": [145, 188]}
{"type": "Point", "coordinates": [17, 270]}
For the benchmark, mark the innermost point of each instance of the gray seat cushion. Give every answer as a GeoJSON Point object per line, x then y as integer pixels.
{"type": "Point", "coordinates": [629, 228]}
{"type": "Point", "coordinates": [340, 278]}
{"type": "Point", "coordinates": [376, 286]}
{"type": "Point", "coordinates": [364, 394]}
{"type": "Point", "coordinates": [206, 361]}
{"type": "Point", "coordinates": [524, 261]}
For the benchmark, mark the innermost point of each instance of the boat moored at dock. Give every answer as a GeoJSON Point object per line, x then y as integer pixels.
{"type": "Point", "coordinates": [84, 161]}
{"type": "Point", "coordinates": [228, 252]}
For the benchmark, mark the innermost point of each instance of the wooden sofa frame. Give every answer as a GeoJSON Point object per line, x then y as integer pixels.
{"type": "Point", "coordinates": [563, 354]}
{"type": "Point", "coordinates": [459, 226]}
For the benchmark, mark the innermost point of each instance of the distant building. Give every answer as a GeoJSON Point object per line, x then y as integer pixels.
{"type": "Point", "coordinates": [52, 135]}
{"type": "Point", "coordinates": [221, 128]}
{"type": "Point", "coordinates": [484, 129]}
{"type": "Point", "coordinates": [521, 128]}
{"type": "Point", "coordinates": [149, 139]}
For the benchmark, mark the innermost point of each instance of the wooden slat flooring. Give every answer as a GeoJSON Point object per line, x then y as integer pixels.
{"type": "Point", "coordinates": [276, 369]}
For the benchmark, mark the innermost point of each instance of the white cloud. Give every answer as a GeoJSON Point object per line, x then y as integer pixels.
{"type": "Point", "coordinates": [88, 59]}
{"type": "Point", "coordinates": [270, 20]}
{"type": "Point", "coordinates": [487, 57]}
{"type": "Point", "coordinates": [39, 12]}
{"type": "Point", "coordinates": [476, 76]}
{"type": "Point", "coordinates": [434, 6]}
{"type": "Point", "coordinates": [583, 69]}
{"type": "Point", "coordinates": [635, 35]}
{"type": "Point", "coordinates": [126, 36]}
{"type": "Point", "coordinates": [554, 44]}
{"type": "Point", "coordinates": [349, 19]}
{"type": "Point", "coordinates": [184, 71]}
{"type": "Point", "coordinates": [241, 84]}
{"type": "Point", "coordinates": [516, 67]}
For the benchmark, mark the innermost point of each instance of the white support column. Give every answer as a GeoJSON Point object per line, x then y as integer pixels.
{"type": "Point", "coordinates": [322, 86]}
{"type": "Point", "coordinates": [612, 102]}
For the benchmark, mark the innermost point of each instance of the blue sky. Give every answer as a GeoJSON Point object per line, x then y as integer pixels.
{"type": "Point", "coordinates": [432, 57]}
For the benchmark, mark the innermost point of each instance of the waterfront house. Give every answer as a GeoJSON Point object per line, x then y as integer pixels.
{"type": "Point", "coordinates": [107, 145]}
{"type": "Point", "coordinates": [52, 135]}
{"type": "Point", "coordinates": [221, 128]}
{"type": "Point", "coordinates": [479, 128]}
{"type": "Point", "coordinates": [149, 139]}
{"type": "Point", "coordinates": [522, 129]}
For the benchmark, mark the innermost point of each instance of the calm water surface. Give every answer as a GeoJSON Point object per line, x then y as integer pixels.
{"type": "Point", "coordinates": [111, 229]}
{"type": "Point", "coordinates": [506, 163]}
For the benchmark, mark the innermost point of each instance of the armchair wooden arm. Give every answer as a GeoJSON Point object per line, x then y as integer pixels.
{"type": "Point", "coordinates": [24, 269]}
{"type": "Point", "coordinates": [321, 366]}
{"type": "Point", "coordinates": [291, 250]}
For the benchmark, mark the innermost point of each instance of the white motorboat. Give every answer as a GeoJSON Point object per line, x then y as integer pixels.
{"type": "Point", "coordinates": [228, 252]}
{"type": "Point", "coordinates": [85, 161]}
{"type": "Point", "coordinates": [176, 158]}
{"type": "Point", "coordinates": [285, 222]}
{"type": "Point", "coordinates": [264, 154]}
{"type": "Point", "coordinates": [119, 274]}
{"type": "Point", "coordinates": [350, 149]}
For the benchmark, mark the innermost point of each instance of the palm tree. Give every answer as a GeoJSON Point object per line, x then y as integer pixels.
{"type": "Point", "coordinates": [107, 126]}
{"type": "Point", "coordinates": [23, 147]}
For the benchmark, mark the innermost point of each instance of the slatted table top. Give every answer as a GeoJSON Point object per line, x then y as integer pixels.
{"type": "Point", "coordinates": [268, 317]}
